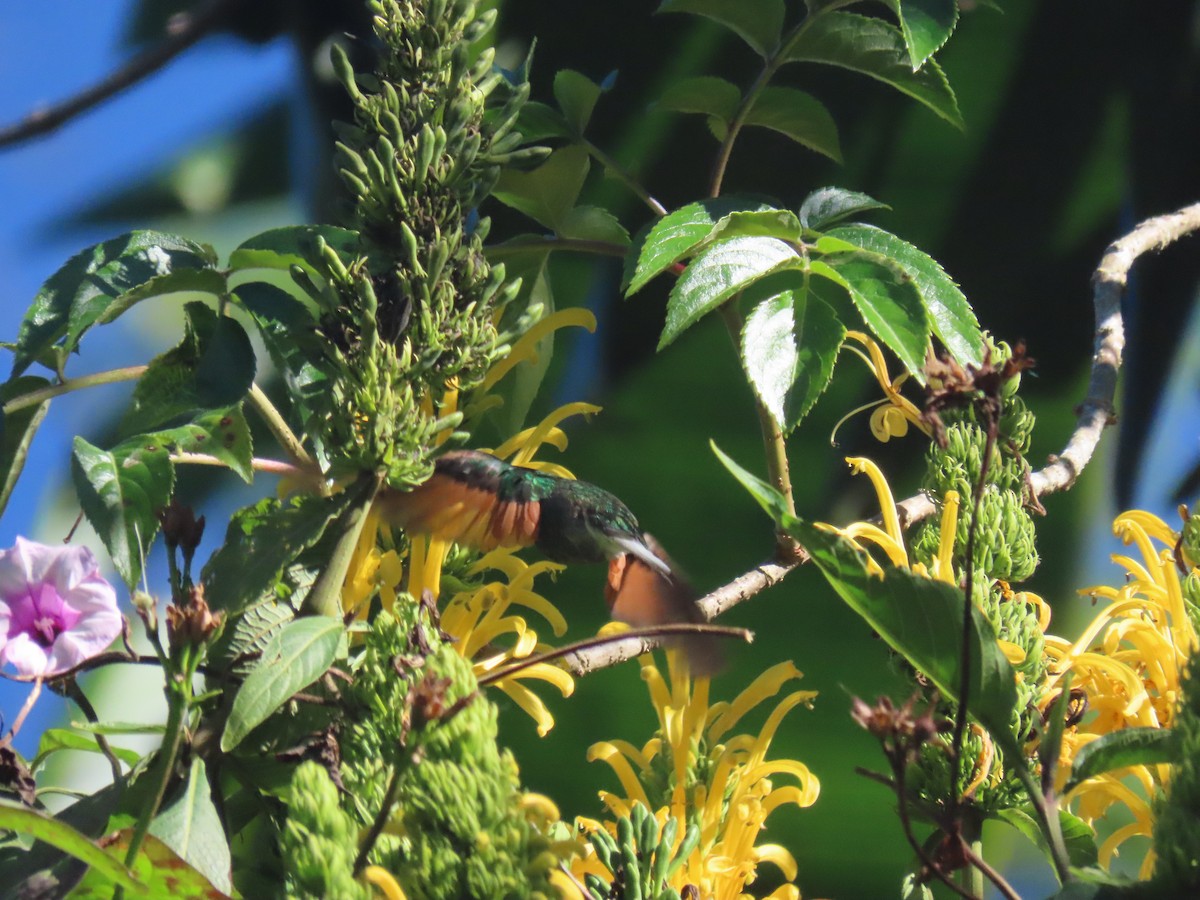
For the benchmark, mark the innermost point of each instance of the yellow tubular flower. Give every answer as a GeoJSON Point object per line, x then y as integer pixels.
{"type": "Point", "coordinates": [894, 412]}
{"type": "Point", "coordinates": [1128, 663]}
{"type": "Point", "coordinates": [723, 784]}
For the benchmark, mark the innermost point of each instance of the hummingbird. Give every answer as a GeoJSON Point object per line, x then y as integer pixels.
{"type": "Point", "coordinates": [481, 501]}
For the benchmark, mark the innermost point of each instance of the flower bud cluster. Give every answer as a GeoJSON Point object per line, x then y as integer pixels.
{"type": "Point", "coordinates": [319, 842]}
{"type": "Point", "coordinates": [642, 857]}
{"type": "Point", "coordinates": [1176, 817]}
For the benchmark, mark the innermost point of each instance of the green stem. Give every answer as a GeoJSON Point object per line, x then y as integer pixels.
{"type": "Point", "coordinates": [258, 464]}
{"type": "Point", "coordinates": [522, 245]}
{"type": "Point", "coordinates": [1048, 819]}
{"type": "Point", "coordinates": [178, 701]}
{"type": "Point", "coordinates": [623, 176]}
{"type": "Point", "coordinates": [279, 427]}
{"type": "Point", "coordinates": [33, 398]}
{"type": "Point", "coordinates": [774, 445]}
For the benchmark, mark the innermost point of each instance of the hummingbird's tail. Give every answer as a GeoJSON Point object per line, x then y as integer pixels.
{"type": "Point", "coordinates": [641, 595]}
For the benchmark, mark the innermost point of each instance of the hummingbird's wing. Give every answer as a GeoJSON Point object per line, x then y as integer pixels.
{"type": "Point", "coordinates": [640, 595]}
{"type": "Point", "coordinates": [472, 498]}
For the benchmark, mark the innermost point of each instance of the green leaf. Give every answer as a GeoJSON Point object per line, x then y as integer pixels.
{"type": "Point", "coordinates": [55, 739]}
{"type": "Point", "coordinates": [156, 866]}
{"type": "Point", "coordinates": [798, 115]}
{"type": "Point", "coordinates": [918, 617]}
{"type": "Point", "coordinates": [678, 233]}
{"type": "Point", "coordinates": [64, 837]}
{"type": "Point", "coordinates": [950, 314]}
{"type": "Point", "coordinates": [212, 367]}
{"type": "Point", "coordinates": [576, 95]}
{"type": "Point", "coordinates": [1078, 836]}
{"type": "Point", "coordinates": [827, 205]}
{"type": "Point", "coordinates": [875, 48]}
{"type": "Point", "coordinates": [300, 653]}
{"type": "Point", "coordinates": [778, 223]}
{"type": "Point", "coordinates": [192, 829]}
{"type": "Point", "coordinates": [538, 121]}
{"type": "Point", "coordinates": [717, 274]}
{"type": "Point", "coordinates": [593, 223]}
{"type": "Point", "coordinates": [926, 25]}
{"type": "Point", "coordinates": [887, 300]}
{"type": "Point", "coordinates": [121, 491]}
{"type": "Point", "coordinates": [222, 433]}
{"type": "Point", "coordinates": [261, 540]}
{"type": "Point", "coordinates": [183, 281]}
{"type": "Point", "coordinates": [120, 727]}
{"type": "Point", "coordinates": [757, 22]}
{"type": "Point", "coordinates": [549, 192]}
{"type": "Point", "coordinates": [1119, 749]}
{"type": "Point", "coordinates": [79, 293]}
{"type": "Point", "coordinates": [17, 430]}
{"type": "Point", "coordinates": [292, 245]}
{"type": "Point", "coordinates": [789, 346]}
{"type": "Point", "coordinates": [703, 94]}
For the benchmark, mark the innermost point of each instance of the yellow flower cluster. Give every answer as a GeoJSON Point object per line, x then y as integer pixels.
{"type": "Point", "coordinates": [1128, 663]}
{"type": "Point", "coordinates": [723, 783]}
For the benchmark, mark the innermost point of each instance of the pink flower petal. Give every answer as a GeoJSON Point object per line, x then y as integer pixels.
{"type": "Point", "coordinates": [25, 654]}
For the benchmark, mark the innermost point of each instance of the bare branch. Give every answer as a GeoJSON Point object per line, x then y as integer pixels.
{"type": "Point", "coordinates": [183, 30]}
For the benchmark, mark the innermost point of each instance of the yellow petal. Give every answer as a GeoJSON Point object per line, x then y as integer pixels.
{"type": "Point", "coordinates": [609, 753]}
{"type": "Point", "coordinates": [778, 856]}
{"type": "Point", "coordinates": [382, 879]}
{"type": "Point", "coordinates": [560, 678]}
{"type": "Point", "coordinates": [763, 687]}
{"type": "Point", "coordinates": [887, 504]}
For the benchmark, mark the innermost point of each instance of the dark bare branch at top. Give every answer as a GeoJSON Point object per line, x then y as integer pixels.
{"type": "Point", "coordinates": [183, 30]}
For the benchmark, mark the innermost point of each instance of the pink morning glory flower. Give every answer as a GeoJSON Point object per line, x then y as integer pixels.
{"type": "Point", "coordinates": [55, 609]}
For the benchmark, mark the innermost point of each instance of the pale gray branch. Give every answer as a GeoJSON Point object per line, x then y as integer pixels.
{"type": "Point", "coordinates": [1095, 414]}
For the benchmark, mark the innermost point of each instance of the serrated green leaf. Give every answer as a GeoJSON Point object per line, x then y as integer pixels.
{"type": "Point", "coordinates": [757, 22]}
{"type": "Point", "coordinates": [827, 205]}
{"type": "Point", "coordinates": [183, 281]}
{"type": "Point", "coordinates": [593, 223]}
{"type": "Point", "coordinates": [676, 234]}
{"type": "Point", "coordinates": [121, 491]}
{"type": "Point", "coordinates": [950, 314]}
{"type": "Point", "coordinates": [56, 739]}
{"type": "Point", "coordinates": [887, 300]}
{"type": "Point", "coordinates": [17, 430]}
{"type": "Point", "coordinates": [192, 829]}
{"type": "Point", "coordinates": [576, 95]}
{"type": "Point", "coordinates": [798, 115]}
{"type": "Point", "coordinates": [1120, 749]}
{"type": "Point", "coordinates": [292, 245]}
{"type": "Point", "coordinates": [918, 617]}
{"type": "Point", "coordinates": [705, 94]}
{"type": "Point", "coordinates": [538, 121]}
{"type": "Point", "coordinates": [297, 656]}
{"type": "Point", "coordinates": [789, 347]}
{"type": "Point", "coordinates": [875, 48]}
{"type": "Point", "coordinates": [547, 193]}
{"type": "Point", "coordinates": [778, 223]}
{"type": "Point", "coordinates": [79, 293]}
{"type": "Point", "coordinates": [61, 835]}
{"type": "Point", "coordinates": [1078, 836]}
{"type": "Point", "coordinates": [717, 274]}
{"type": "Point", "coordinates": [926, 25]}
{"type": "Point", "coordinates": [212, 367]}
{"type": "Point", "coordinates": [223, 434]}
{"type": "Point", "coordinates": [261, 540]}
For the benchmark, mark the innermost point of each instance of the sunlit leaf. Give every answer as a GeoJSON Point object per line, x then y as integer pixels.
{"type": "Point", "coordinates": [828, 205]}
{"type": "Point", "coordinates": [926, 25]}
{"type": "Point", "coordinates": [292, 245]}
{"type": "Point", "coordinates": [223, 434]}
{"type": "Point", "coordinates": [297, 655]}
{"type": "Point", "coordinates": [789, 346]}
{"type": "Point", "coordinates": [717, 274]}
{"type": "Point", "coordinates": [800, 116]}
{"type": "Point", "coordinates": [887, 300]}
{"type": "Point", "coordinates": [121, 491]}
{"type": "Point", "coordinates": [874, 48]}
{"type": "Point", "coordinates": [676, 234]}
{"type": "Point", "coordinates": [757, 22]}
{"type": "Point", "coordinates": [1121, 749]}
{"type": "Point", "coordinates": [950, 314]}
{"type": "Point", "coordinates": [79, 294]}
{"type": "Point", "coordinates": [157, 866]}
{"type": "Point", "coordinates": [55, 739]}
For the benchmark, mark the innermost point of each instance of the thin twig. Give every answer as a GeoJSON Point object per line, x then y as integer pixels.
{"type": "Point", "coordinates": [75, 692]}
{"type": "Point", "coordinates": [279, 427]}
{"type": "Point", "coordinates": [41, 395]}
{"type": "Point", "coordinates": [1096, 410]}
{"type": "Point", "coordinates": [258, 464]}
{"type": "Point", "coordinates": [623, 176]}
{"type": "Point", "coordinates": [25, 708]}
{"type": "Point", "coordinates": [183, 30]}
{"type": "Point", "coordinates": [906, 824]}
